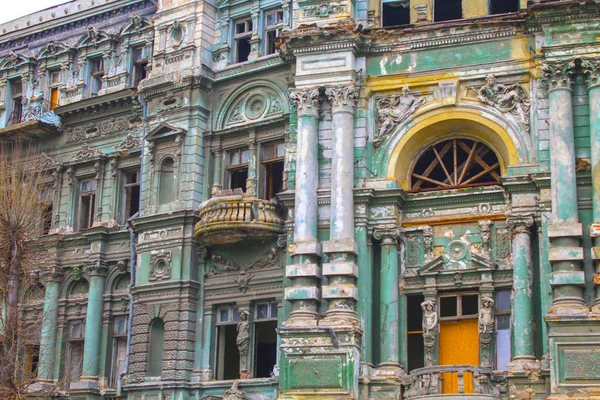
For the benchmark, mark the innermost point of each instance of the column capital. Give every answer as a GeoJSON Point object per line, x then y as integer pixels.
{"type": "Point", "coordinates": [557, 74]}
{"type": "Point", "coordinates": [343, 98]}
{"type": "Point", "coordinates": [520, 223]}
{"type": "Point", "coordinates": [388, 235]}
{"type": "Point", "coordinates": [591, 70]}
{"type": "Point", "coordinates": [97, 268]}
{"type": "Point", "coordinates": [53, 274]}
{"type": "Point", "coordinates": [306, 101]}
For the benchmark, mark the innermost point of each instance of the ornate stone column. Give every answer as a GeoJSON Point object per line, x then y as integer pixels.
{"type": "Point", "coordinates": [523, 328]}
{"type": "Point", "coordinates": [251, 182]}
{"type": "Point", "coordinates": [48, 330]}
{"type": "Point", "coordinates": [342, 293]}
{"type": "Point", "coordinates": [592, 70]}
{"type": "Point", "coordinates": [305, 273]}
{"type": "Point", "coordinates": [218, 171]}
{"type": "Point", "coordinates": [93, 324]}
{"type": "Point", "coordinates": [566, 253]}
{"type": "Point", "coordinates": [389, 345]}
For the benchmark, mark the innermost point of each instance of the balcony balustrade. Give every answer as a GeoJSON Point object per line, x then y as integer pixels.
{"type": "Point", "coordinates": [461, 381]}
{"type": "Point", "coordinates": [232, 217]}
{"type": "Point", "coordinates": [34, 119]}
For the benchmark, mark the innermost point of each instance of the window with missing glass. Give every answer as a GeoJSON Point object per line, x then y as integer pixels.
{"type": "Point", "coordinates": [237, 168]}
{"type": "Point", "coordinates": [242, 36]}
{"type": "Point", "coordinates": [131, 194]}
{"type": "Point", "coordinates": [139, 63]}
{"type": "Point", "coordinates": [96, 76]}
{"type": "Point", "coordinates": [273, 25]}
{"type": "Point", "coordinates": [228, 357]}
{"type": "Point", "coordinates": [459, 306]}
{"type": "Point", "coordinates": [265, 338]}
{"type": "Point", "coordinates": [119, 353]}
{"type": "Point", "coordinates": [87, 203]}
{"type": "Point", "coordinates": [75, 342]}
{"type": "Point", "coordinates": [272, 165]}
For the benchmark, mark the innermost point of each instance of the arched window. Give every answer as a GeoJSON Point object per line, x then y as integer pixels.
{"type": "Point", "coordinates": [166, 190]}
{"type": "Point", "coordinates": [157, 347]}
{"type": "Point", "coordinates": [455, 163]}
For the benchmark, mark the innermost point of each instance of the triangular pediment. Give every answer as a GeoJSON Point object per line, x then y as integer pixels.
{"type": "Point", "coordinates": [164, 130]}
{"type": "Point", "coordinates": [443, 264]}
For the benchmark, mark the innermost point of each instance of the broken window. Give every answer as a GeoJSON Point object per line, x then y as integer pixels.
{"type": "Point", "coordinates": [242, 36]}
{"type": "Point", "coordinates": [157, 347]}
{"type": "Point", "coordinates": [46, 206]}
{"type": "Point", "coordinates": [455, 163]}
{"type": "Point", "coordinates": [265, 343]}
{"type": "Point", "coordinates": [238, 169]}
{"type": "Point", "coordinates": [414, 327]}
{"type": "Point", "coordinates": [16, 92]}
{"type": "Point", "coordinates": [131, 194]}
{"type": "Point", "coordinates": [75, 351]}
{"type": "Point", "coordinates": [166, 184]}
{"type": "Point", "coordinates": [447, 10]}
{"type": "Point", "coordinates": [503, 6]}
{"type": "Point", "coordinates": [119, 349]}
{"type": "Point", "coordinates": [87, 203]}
{"type": "Point", "coordinates": [272, 162]}
{"type": "Point", "coordinates": [96, 66]}
{"type": "Point", "coordinates": [456, 306]}
{"type": "Point", "coordinates": [228, 356]}
{"type": "Point", "coordinates": [140, 62]}
{"type": "Point", "coordinates": [273, 25]}
{"type": "Point", "coordinates": [395, 13]}
{"type": "Point", "coordinates": [503, 347]}
{"type": "Point", "coordinates": [32, 360]}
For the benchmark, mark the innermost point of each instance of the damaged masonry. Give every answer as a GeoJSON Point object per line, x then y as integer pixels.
{"type": "Point", "coordinates": [305, 199]}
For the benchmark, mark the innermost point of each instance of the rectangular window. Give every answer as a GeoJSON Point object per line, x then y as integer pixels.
{"type": "Point", "coordinates": [140, 62]}
{"type": "Point", "coordinates": [87, 203]}
{"type": "Point", "coordinates": [131, 194]}
{"type": "Point", "coordinates": [272, 162]}
{"type": "Point", "coordinates": [447, 10]}
{"type": "Point", "coordinates": [273, 25]}
{"type": "Point", "coordinates": [75, 351]}
{"type": "Point", "coordinates": [54, 93]}
{"type": "Point", "coordinates": [414, 327]}
{"type": "Point", "coordinates": [265, 338]}
{"type": "Point", "coordinates": [242, 36]}
{"type": "Point", "coordinates": [503, 347]}
{"type": "Point", "coordinates": [503, 6]}
{"type": "Point", "coordinates": [16, 91]}
{"type": "Point", "coordinates": [32, 360]}
{"type": "Point", "coordinates": [96, 66]}
{"type": "Point", "coordinates": [395, 13]}
{"type": "Point", "coordinates": [119, 349]}
{"type": "Point", "coordinates": [228, 357]}
{"type": "Point", "coordinates": [238, 169]}
{"type": "Point", "coordinates": [459, 306]}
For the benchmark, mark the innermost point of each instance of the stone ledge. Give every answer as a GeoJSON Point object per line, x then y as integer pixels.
{"type": "Point", "coordinates": [340, 246]}
{"type": "Point", "coordinates": [311, 248]}
{"type": "Point", "coordinates": [565, 230]}
{"type": "Point", "coordinates": [302, 270]}
{"type": "Point", "coordinates": [565, 254]}
{"type": "Point", "coordinates": [302, 293]}
{"type": "Point", "coordinates": [340, 292]}
{"type": "Point", "coordinates": [567, 278]}
{"type": "Point", "coordinates": [340, 268]}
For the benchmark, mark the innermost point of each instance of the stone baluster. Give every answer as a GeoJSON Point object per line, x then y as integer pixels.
{"type": "Point", "coordinates": [342, 293]}
{"type": "Point", "coordinates": [591, 69]}
{"type": "Point", "coordinates": [48, 330]}
{"type": "Point", "coordinates": [523, 328]}
{"type": "Point", "coordinates": [305, 273]}
{"type": "Point", "coordinates": [566, 253]}
{"type": "Point", "coordinates": [93, 324]}
{"type": "Point", "coordinates": [389, 341]}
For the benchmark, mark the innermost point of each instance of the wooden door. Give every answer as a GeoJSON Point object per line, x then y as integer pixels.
{"type": "Point", "coordinates": [459, 344]}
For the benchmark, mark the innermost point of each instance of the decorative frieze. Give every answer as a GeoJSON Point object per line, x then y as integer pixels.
{"type": "Point", "coordinates": [395, 110]}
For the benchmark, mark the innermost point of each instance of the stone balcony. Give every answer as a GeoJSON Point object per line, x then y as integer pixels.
{"type": "Point", "coordinates": [36, 119]}
{"type": "Point", "coordinates": [232, 216]}
{"type": "Point", "coordinates": [461, 382]}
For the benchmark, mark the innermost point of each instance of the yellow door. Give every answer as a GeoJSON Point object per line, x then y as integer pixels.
{"type": "Point", "coordinates": [459, 344]}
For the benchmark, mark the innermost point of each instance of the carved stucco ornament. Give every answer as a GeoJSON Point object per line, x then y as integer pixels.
{"type": "Point", "coordinates": [243, 342]}
{"type": "Point", "coordinates": [130, 142]}
{"type": "Point", "coordinates": [430, 329]}
{"type": "Point", "coordinates": [323, 10]}
{"type": "Point", "coordinates": [234, 393]}
{"type": "Point", "coordinates": [591, 70]}
{"type": "Point", "coordinates": [395, 110]}
{"type": "Point", "coordinates": [557, 75]}
{"type": "Point", "coordinates": [486, 329]}
{"type": "Point", "coordinates": [512, 98]}
{"type": "Point", "coordinates": [306, 100]}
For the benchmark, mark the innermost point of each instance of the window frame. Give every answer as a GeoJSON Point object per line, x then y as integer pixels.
{"type": "Point", "coordinates": [502, 313]}
{"type": "Point", "coordinates": [231, 168]}
{"type": "Point", "coordinates": [265, 163]}
{"type": "Point", "coordinates": [246, 34]}
{"type": "Point", "coordinates": [138, 65]}
{"type": "Point", "coordinates": [16, 100]}
{"type": "Point", "coordinates": [459, 315]}
{"type": "Point", "coordinates": [96, 74]}
{"type": "Point", "coordinates": [127, 190]}
{"type": "Point", "coordinates": [71, 342]}
{"type": "Point", "coordinates": [92, 203]}
{"type": "Point", "coordinates": [54, 86]}
{"type": "Point", "coordinates": [272, 28]}
{"type": "Point", "coordinates": [117, 337]}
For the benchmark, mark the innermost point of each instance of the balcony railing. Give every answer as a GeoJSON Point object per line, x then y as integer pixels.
{"type": "Point", "coordinates": [38, 111]}
{"type": "Point", "coordinates": [235, 217]}
{"type": "Point", "coordinates": [447, 380]}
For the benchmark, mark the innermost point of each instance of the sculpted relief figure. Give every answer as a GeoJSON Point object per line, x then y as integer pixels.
{"type": "Point", "coordinates": [506, 98]}
{"type": "Point", "coordinates": [393, 111]}
{"type": "Point", "coordinates": [486, 316]}
{"type": "Point", "coordinates": [243, 341]}
{"type": "Point", "coordinates": [430, 318]}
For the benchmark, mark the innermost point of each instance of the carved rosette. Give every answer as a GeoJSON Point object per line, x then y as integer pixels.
{"type": "Point", "coordinates": [557, 75]}
{"type": "Point", "coordinates": [520, 223]}
{"type": "Point", "coordinates": [342, 98]}
{"type": "Point", "coordinates": [591, 69]}
{"type": "Point", "coordinates": [306, 101]}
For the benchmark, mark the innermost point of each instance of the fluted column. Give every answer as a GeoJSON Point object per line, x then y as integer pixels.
{"type": "Point", "coordinates": [566, 253]}
{"type": "Point", "coordinates": [523, 328]}
{"type": "Point", "coordinates": [389, 292]}
{"type": "Point", "coordinates": [93, 321]}
{"type": "Point", "coordinates": [592, 71]}
{"type": "Point", "coordinates": [48, 330]}
{"type": "Point", "coordinates": [305, 273]}
{"type": "Point", "coordinates": [342, 293]}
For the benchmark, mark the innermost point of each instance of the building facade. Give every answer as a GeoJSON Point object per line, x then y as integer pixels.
{"type": "Point", "coordinates": [301, 199]}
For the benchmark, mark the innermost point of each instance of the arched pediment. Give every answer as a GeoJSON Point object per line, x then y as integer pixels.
{"type": "Point", "coordinates": [93, 37]}
{"type": "Point", "coordinates": [253, 103]}
{"type": "Point", "coordinates": [52, 50]}
{"type": "Point", "coordinates": [136, 26]}
{"type": "Point", "coordinates": [15, 61]}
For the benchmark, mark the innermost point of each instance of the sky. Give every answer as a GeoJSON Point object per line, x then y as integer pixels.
{"type": "Point", "coordinates": [13, 9]}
